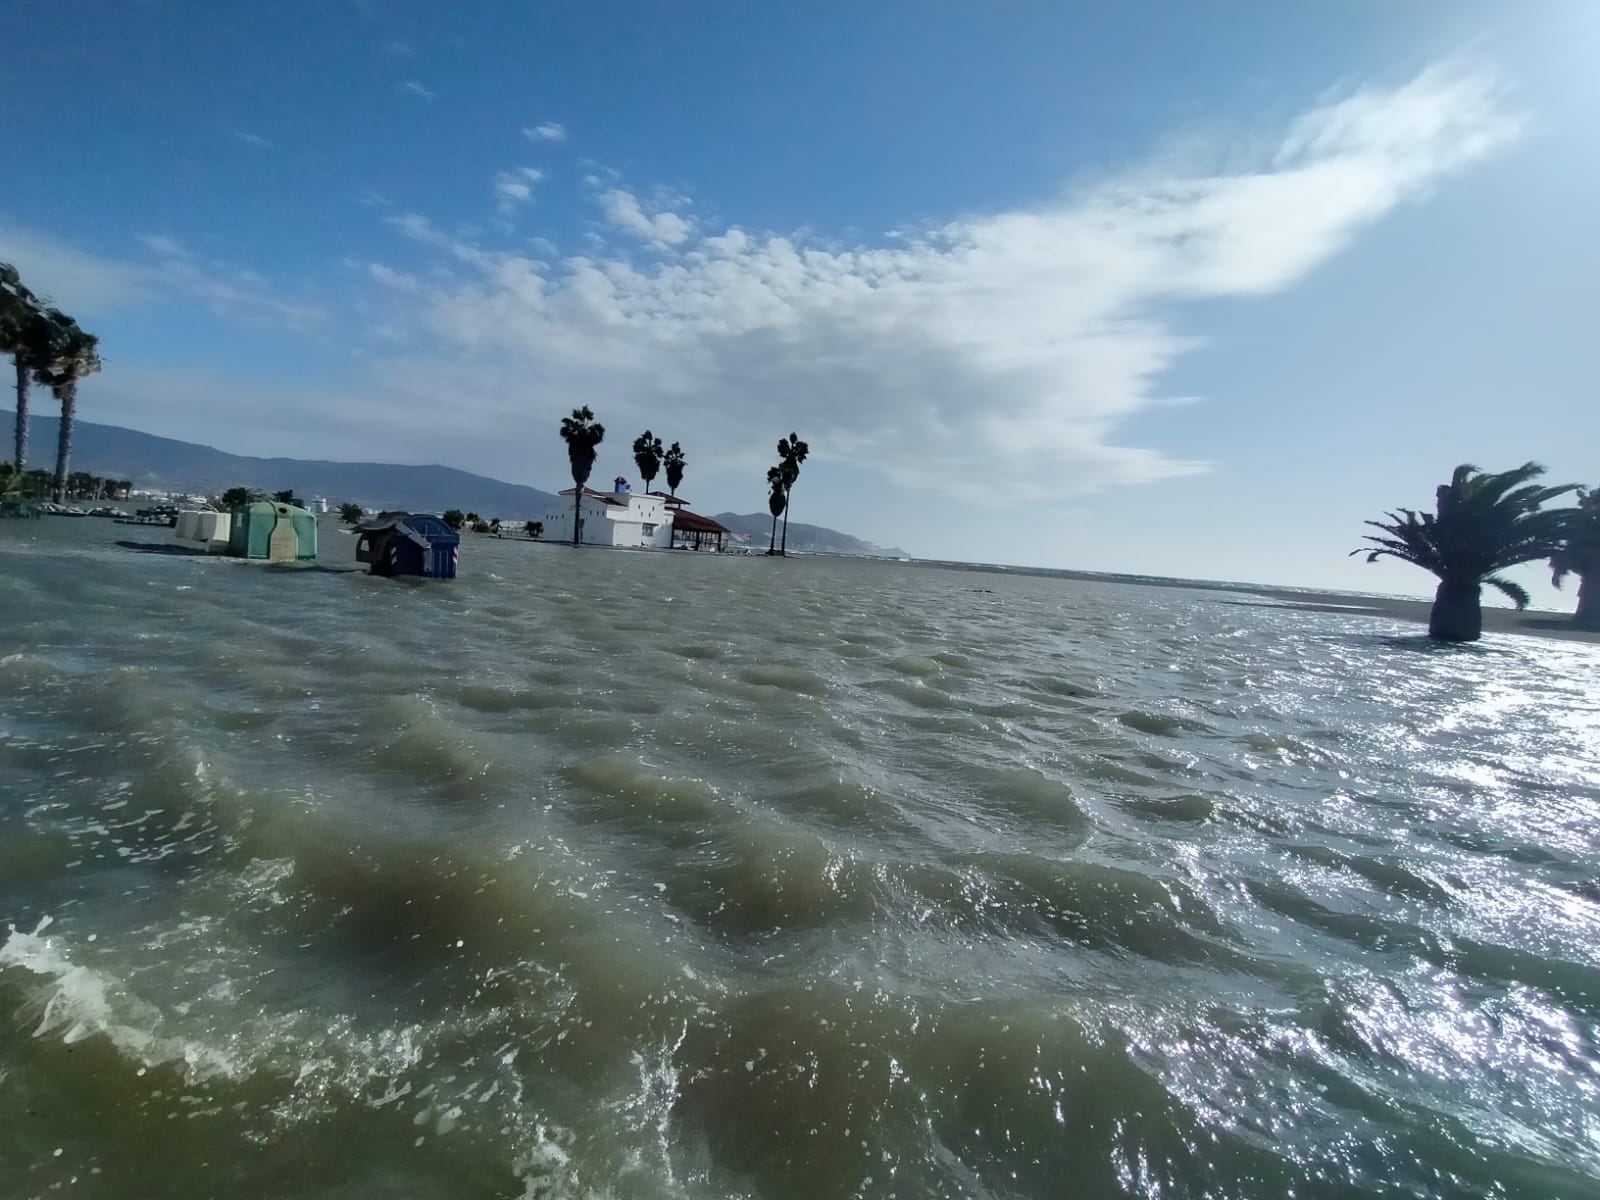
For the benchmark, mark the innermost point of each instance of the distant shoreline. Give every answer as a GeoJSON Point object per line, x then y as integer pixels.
{"type": "Point", "coordinates": [1534, 622]}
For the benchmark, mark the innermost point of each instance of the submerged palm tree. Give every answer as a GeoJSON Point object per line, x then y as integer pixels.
{"type": "Point", "coordinates": [647, 457]}
{"type": "Point", "coordinates": [72, 354]}
{"type": "Point", "coordinates": [777, 501]}
{"type": "Point", "coordinates": [1579, 555]}
{"type": "Point", "coordinates": [582, 433]}
{"type": "Point", "coordinates": [675, 463]}
{"type": "Point", "coordinates": [1483, 522]}
{"type": "Point", "coordinates": [791, 453]}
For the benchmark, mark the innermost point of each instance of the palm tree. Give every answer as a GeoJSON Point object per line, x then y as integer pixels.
{"type": "Point", "coordinates": [582, 433]}
{"type": "Point", "coordinates": [494, 526]}
{"type": "Point", "coordinates": [647, 457]}
{"type": "Point", "coordinates": [534, 529]}
{"type": "Point", "coordinates": [1579, 555]}
{"type": "Point", "coordinates": [791, 453]}
{"type": "Point", "coordinates": [25, 326]}
{"type": "Point", "coordinates": [72, 354]}
{"type": "Point", "coordinates": [1483, 522]}
{"type": "Point", "coordinates": [351, 513]}
{"type": "Point", "coordinates": [777, 502]}
{"type": "Point", "coordinates": [454, 518]}
{"type": "Point", "coordinates": [675, 463]}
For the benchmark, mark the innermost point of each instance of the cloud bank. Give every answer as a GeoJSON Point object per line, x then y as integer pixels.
{"type": "Point", "coordinates": [994, 355]}
{"type": "Point", "coordinates": [996, 349]}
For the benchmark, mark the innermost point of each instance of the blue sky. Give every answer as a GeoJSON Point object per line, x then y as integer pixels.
{"type": "Point", "coordinates": [1165, 288]}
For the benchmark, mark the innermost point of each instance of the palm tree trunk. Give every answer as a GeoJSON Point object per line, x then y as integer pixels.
{"type": "Point", "coordinates": [1457, 614]}
{"type": "Point", "coordinates": [22, 414]}
{"type": "Point", "coordinates": [68, 395]}
{"type": "Point", "coordinates": [1588, 614]}
{"type": "Point", "coordinates": [784, 549]}
{"type": "Point", "coordinates": [577, 514]}
{"type": "Point", "coordinates": [772, 542]}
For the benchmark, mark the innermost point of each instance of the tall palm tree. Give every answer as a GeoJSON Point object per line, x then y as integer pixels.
{"type": "Point", "coordinates": [582, 433]}
{"type": "Point", "coordinates": [777, 501]}
{"type": "Point", "coordinates": [24, 335]}
{"type": "Point", "coordinates": [72, 354]}
{"type": "Point", "coordinates": [647, 457]}
{"type": "Point", "coordinates": [791, 453]}
{"type": "Point", "coordinates": [675, 463]}
{"type": "Point", "coordinates": [1580, 555]}
{"type": "Point", "coordinates": [1482, 523]}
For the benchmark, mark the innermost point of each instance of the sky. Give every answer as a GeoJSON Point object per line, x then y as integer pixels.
{"type": "Point", "coordinates": [1161, 288]}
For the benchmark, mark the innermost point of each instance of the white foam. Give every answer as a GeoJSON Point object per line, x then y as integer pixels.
{"type": "Point", "coordinates": [78, 1002]}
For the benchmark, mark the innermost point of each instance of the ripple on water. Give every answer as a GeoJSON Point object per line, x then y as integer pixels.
{"type": "Point", "coordinates": [861, 881]}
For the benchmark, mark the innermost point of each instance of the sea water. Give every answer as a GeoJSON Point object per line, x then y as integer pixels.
{"type": "Point", "coordinates": [609, 874]}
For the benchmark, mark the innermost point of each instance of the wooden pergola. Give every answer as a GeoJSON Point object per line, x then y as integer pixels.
{"type": "Point", "coordinates": [692, 527]}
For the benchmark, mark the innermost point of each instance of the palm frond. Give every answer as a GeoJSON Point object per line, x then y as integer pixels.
{"type": "Point", "coordinates": [1512, 591]}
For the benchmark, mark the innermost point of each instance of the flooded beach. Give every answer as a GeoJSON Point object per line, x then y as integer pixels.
{"type": "Point", "coordinates": [607, 874]}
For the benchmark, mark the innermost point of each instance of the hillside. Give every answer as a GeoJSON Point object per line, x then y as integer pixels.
{"type": "Point", "coordinates": [168, 464]}
{"type": "Point", "coordinates": [805, 539]}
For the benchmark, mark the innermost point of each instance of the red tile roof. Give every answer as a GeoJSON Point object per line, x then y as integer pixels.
{"type": "Point", "coordinates": [687, 522]}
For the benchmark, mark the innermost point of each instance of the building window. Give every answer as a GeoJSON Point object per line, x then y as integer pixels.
{"type": "Point", "coordinates": [649, 530]}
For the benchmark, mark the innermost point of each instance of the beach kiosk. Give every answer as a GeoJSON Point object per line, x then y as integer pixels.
{"type": "Point", "coordinates": [274, 531]}
{"type": "Point", "coordinates": [409, 544]}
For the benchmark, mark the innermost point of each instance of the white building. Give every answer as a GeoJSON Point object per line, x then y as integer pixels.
{"type": "Point", "coordinates": [616, 518]}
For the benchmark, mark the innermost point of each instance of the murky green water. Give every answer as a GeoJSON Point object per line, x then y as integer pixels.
{"type": "Point", "coordinates": [598, 874]}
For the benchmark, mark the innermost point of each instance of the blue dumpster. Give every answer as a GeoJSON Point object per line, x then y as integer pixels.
{"type": "Point", "coordinates": [409, 544]}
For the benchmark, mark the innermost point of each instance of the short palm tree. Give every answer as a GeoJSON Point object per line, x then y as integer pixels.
{"type": "Point", "coordinates": [72, 354]}
{"type": "Point", "coordinates": [675, 463]}
{"type": "Point", "coordinates": [791, 453]}
{"type": "Point", "coordinates": [777, 501]}
{"type": "Point", "coordinates": [647, 457]}
{"type": "Point", "coordinates": [1579, 554]}
{"type": "Point", "coordinates": [534, 529]}
{"type": "Point", "coordinates": [1483, 522]}
{"type": "Point", "coordinates": [583, 434]}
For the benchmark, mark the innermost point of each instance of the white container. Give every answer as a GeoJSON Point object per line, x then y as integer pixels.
{"type": "Point", "coordinates": [206, 531]}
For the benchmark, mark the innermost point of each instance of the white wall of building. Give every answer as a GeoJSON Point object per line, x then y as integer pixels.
{"type": "Point", "coordinates": [640, 521]}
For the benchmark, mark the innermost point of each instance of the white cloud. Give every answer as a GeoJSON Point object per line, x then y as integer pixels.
{"type": "Point", "coordinates": [399, 48]}
{"type": "Point", "coordinates": [1007, 346]}
{"type": "Point", "coordinates": [74, 279]}
{"type": "Point", "coordinates": [412, 88]}
{"type": "Point", "coordinates": [251, 139]}
{"type": "Point", "coordinates": [515, 187]}
{"type": "Point", "coordinates": [400, 281]}
{"type": "Point", "coordinates": [84, 283]}
{"type": "Point", "coordinates": [164, 245]}
{"type": "Point", "coordinates": [623, 211]}
{"type": "Point", "coordinates": [550, 131]}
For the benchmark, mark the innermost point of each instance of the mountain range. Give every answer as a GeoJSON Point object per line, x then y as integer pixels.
{"type": "Point", "coordinates": [168, 464]}
{"type": "Point", "coordinates": [804, 539]}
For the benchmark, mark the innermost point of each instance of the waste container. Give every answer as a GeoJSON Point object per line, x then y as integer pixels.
{"type": "Point", "coordinates": [409, 544]}
{"type": "Point", "coordinates": [274, 531]}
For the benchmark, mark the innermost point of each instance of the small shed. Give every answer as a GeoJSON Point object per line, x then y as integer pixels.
{"type": "Point", "coordinates": [691, 531]}
{"type": "Point", "coordinates": [273, 531]}
{"type": "Point", "coordinates": [409, 544]}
